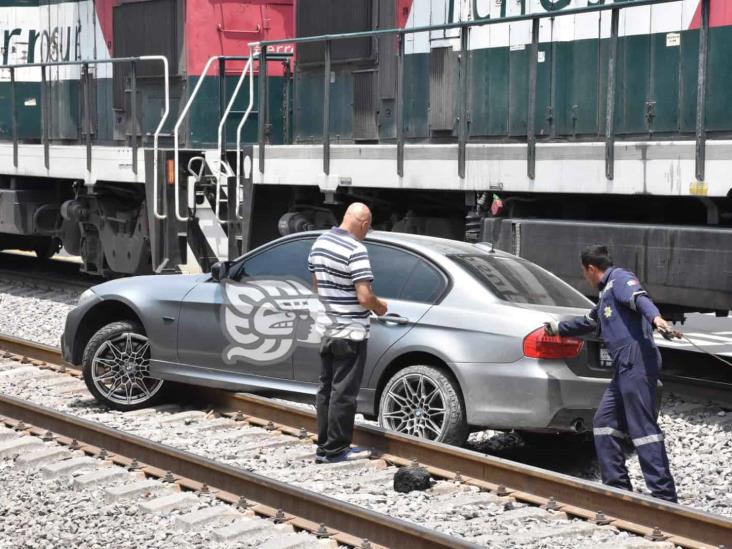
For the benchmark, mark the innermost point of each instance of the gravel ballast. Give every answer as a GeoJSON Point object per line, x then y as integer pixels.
{"type": "Point", "coordinates": [35, 314]}
{"type": "Point", "coordinates": [449, 507]}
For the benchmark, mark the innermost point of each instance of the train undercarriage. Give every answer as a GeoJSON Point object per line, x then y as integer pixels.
{"type": "Point", "coordinates": [111, 227]}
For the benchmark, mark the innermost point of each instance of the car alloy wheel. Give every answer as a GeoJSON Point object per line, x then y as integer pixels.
{"type": "Point", "coordinates": [121, 370]}
{"type": "Point", "coordinates": [415, 405]}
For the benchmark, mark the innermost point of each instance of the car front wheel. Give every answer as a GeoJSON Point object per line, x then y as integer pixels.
{"type": "Point", "coordinates": [425, 402]}
{"type": "Point", "coordinates": [116, 366]}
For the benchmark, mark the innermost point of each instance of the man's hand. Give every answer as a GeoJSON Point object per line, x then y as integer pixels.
{"type": "Point", "coordinates": [665, 329]}
{"type": "Point", "coordinates": [551, 328]}
{"type": "Point", "coordinates": [368, 300]}
{"type": "Point", "coordinates": [661, 324]}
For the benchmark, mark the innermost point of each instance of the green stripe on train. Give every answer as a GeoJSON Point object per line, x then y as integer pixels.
{"type": "Point", "coordinates": [656, 90]}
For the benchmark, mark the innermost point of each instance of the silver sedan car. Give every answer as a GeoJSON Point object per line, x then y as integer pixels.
{"type": "Point", "coordinates": [461, 348]}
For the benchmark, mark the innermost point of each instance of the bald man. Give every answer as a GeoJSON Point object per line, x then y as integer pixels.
{"type": "Point", "coordinates": [341, 274]}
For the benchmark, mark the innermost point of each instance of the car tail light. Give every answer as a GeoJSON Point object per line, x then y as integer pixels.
{"type": "Point", "coordinates": [540, 345]}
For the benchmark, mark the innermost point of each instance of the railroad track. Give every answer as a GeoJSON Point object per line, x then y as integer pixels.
{"type": "Point", "coordinates": [305, 510]}
{"type": "Point", "coordinates": [52, 275]}
{"type": "Point", "coordinates": [697, 375]}
{"type": "Point", "coordinates": [505, 480]}
{"type": "Point", "coordinates": [699, 388]}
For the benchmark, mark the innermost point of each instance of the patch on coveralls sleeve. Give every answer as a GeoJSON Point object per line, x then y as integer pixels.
{"type": "Point", "coordinates": [608, 312]}
{"type": "Point", "coordinates": [633, 282]}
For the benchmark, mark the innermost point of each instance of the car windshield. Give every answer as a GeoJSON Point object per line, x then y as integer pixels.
{"type": "Point", "coordinates": [520, 281]}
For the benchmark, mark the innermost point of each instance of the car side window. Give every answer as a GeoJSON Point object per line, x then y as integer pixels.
{"type": "Point", "coordinates": [402, 275]}
{"type": "Point", "coordinates": [289, 260]}
{"type": "Point", "coordinates": [424, 285]}
{"type": "Point", "coordinates": [391, 268]}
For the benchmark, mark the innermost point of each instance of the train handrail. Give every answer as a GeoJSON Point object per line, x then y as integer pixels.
{"type": "Point", "coordinates": [181, 118]}
{"type": "Point", "coordinates": [249, 65]}
{"type": "Point", "coordinates": [85, 63]}
{"type": "Point", "coordinates": [239, 130]}
{"type": "Point", "coordinates": [157, 215]}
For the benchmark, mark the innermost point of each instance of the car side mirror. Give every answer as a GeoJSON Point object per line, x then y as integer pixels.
{"type": "Point", "coordinates": [220, 270]}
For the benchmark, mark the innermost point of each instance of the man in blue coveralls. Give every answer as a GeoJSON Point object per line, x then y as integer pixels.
{"type": "Point", "coordinates": [626, 318]}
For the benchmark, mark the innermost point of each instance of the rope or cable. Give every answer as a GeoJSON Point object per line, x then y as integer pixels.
{"type": "Point", "coordinates": [672, 334]}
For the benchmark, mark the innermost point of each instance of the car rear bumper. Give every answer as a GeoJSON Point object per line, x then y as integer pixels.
{"type": "Point", "coordinates": [528, 394]}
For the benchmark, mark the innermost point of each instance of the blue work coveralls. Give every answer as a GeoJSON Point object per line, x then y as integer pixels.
{"type": "Point", "coordinates": [625, 316]}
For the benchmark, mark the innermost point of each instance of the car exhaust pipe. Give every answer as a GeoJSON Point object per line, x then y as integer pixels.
{"type": "Point", "coordinates": [578, 425]}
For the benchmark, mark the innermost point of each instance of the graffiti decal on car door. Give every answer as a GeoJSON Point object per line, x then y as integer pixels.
{"type": "Point", "coordinates": [264, 319]}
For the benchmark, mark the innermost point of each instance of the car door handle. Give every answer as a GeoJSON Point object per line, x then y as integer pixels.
{"type": "Point", "coordinates": [392, 318]}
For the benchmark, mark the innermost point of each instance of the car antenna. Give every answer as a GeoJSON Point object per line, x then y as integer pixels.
{"type": "Point", "coordinates": [492, 250]}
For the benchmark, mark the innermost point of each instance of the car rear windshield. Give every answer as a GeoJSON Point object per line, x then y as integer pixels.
{"type": "Point", "coordinates": [519, 281]}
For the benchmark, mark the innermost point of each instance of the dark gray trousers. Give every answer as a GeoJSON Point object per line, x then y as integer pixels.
{"type": "Point", "coordinates": [340, 380]}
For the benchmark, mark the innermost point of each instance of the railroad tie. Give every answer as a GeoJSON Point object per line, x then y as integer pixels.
{"type": "Point", "coordinates": [147, 412]}
{"type": "Point", "coordinates": [572, 531]}
{"type": "Point", "coordinates": [100, 476]}
{"type": "Point", "coordinates": [171, 502]}
{"type": "Point", "coordinates": [252, 530]}
{"type": "Point", "coordinates": [134, 489]}
{"type": "Point", "coordinates": [7, 434]}
{"type": "Point", "coordinates": [531, 513]}
{"type": "Point", "coordinates": [631, 543]}
{"type": "Point", "coordinates": [209, 516]}
{"type": "Point", "coordinates": [13, 447]}
{"type": "Point", "coordinates": [241, 434]}
{"type": "Point", "coordinates": [44, 456]}
{"type": "Point", "coordinates": [59, 381]}
{"type": "Point", "coordinates": [69, 466]}
{"type": "Point", "coordinates": [300, 540]}
{"type": "Point", "coordinates": [182, 417]}
{"type": "Point", "coordinates": [216, 424]}
{"type": "Point", "coordinates": [478, 498]}
{"type": "Point", "coordinates": [21, 373]}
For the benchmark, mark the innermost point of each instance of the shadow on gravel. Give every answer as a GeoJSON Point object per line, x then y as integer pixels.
{"type": "Point", "coordinates": [569, 454]}
{"type": "Point", "coordinates": [564, 453]}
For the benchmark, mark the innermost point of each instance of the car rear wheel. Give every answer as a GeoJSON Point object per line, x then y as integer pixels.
{"type": "Point", "coordinates": [425, 402]}
{"type": "Point", "coordinates": [116, 366]}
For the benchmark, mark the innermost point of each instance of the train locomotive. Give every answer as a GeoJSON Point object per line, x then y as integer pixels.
{"type": "Point", "coordinates": [538, 125]}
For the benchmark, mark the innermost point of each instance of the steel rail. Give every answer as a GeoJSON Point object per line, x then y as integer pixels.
{"type": "Point", "coordinates": [635, 513]}
{"type": "Point", "coordinates": [629, 511]}
{"type": "Point", "coordinates": [355, 520]}
{"type": "Point", "coordinates": [240, 502]}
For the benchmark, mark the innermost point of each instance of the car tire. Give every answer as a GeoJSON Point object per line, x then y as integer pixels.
{"type": "Point", "coordinates": [115, 368]}
{"type": "Point", "coordinates": [410, 402]}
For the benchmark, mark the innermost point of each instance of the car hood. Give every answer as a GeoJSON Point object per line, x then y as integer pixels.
{"type": "Point", "coordinates": [168, 287]}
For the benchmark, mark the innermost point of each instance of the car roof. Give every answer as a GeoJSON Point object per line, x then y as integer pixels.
{"type": "Point", "coordinates": [427, 245]}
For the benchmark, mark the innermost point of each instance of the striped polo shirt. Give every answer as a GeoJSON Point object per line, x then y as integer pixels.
{"type": "Point", "coordinates": [338, 261]}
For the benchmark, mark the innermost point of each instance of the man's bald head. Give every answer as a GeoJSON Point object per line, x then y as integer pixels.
{"type": "Point", "coordinates": [359, 211]}
{"type": "Point", "coordinates": [357, 220]}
